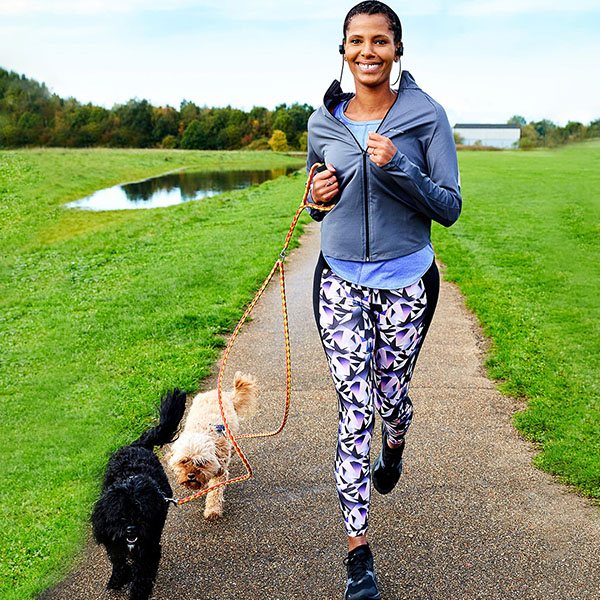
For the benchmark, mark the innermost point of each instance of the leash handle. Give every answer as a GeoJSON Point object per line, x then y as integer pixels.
{"type": "Point", "coordinates": [288, 365]}
{"type": "Point", "coordinates": [316, 168]}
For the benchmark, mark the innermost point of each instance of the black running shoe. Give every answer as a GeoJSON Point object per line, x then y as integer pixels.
{"type": "Point", "coordinates": [362, 583]}
{"type": "Point", "coordinates": [388, 465]}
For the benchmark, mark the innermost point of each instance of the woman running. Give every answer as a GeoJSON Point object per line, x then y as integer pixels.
{"type": "Point", "coordinates": [391, 170]}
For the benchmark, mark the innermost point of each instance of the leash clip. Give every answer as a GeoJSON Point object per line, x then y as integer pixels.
{"type": "Point", "coordinates": [282, 255]}
{"type": "Point", "coordinates": [171, 501]}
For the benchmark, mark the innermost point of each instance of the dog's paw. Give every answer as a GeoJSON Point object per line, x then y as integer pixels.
{"type": "Point", "coordinates": [118, 579]}
{"type": "Point", "coordinates": [213, 514]}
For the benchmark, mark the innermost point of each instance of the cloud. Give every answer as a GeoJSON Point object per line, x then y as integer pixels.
{"type": "Point", "coordinates": [86, 7]}
{"type": "Point", "coordinates": [263, 10]}
{"type": "Point", "coordinates": [485, 8]}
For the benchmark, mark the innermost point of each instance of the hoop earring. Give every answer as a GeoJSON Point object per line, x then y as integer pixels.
{"type": "Point", "coordinates": [399, 72]}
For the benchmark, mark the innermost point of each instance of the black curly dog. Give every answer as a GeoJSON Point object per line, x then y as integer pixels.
{"type": "Point", "coordinates": [129, 516]}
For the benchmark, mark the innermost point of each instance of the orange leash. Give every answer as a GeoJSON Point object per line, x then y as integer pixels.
{"type": "Point", "coordinates": [278, 264]}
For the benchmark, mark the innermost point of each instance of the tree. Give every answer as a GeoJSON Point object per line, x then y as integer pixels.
{"type": "Point", "coordinates": [530, 138]}
{"type": "Point", "coordinates": [517, 120]}
{"type": "Point", "coordinates": [575, 130]}
{"type": "Point", "coordinates": [136, 121]}
{"type": "Point", "coordinates": [593, 129]}
{"type": "Point", "coordinates": [278, 141]}
{"type": "Point", "coordinates": [303, 141]}
{"type": "Point", "coordinates": [458, 139]}
{"type": "Point", "coordinates": [300, 114]}
{"type": "Point", "coordinates": [543, 126]}
{"type": "Point", "coordinates": [231, 137]}
{"type": "Point", "coordinates": [165, 122]}
{"type": "Point", "coordinates": [188, 111]}
{"type": "Point", "coordinates": [261, 121]}
{"type": "Point", "coordinates": [283, 121]}
{"type": "Point", "coordinates": [195, 137]}
{"type": "Point", "coordinates": [556, 137]}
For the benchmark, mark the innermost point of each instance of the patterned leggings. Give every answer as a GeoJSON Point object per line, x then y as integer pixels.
{"type": "Point", "coordinates": [372, 338]}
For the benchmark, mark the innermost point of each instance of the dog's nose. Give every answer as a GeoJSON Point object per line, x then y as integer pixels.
{"type": "Point", "coordinates": [191, 475]}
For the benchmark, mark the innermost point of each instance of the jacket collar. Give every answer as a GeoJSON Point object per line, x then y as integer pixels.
{"type": "Point", "coordinates": [334, 94]}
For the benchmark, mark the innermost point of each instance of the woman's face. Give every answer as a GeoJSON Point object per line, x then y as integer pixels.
{"type": "Point", "coordinates": [370, 49]}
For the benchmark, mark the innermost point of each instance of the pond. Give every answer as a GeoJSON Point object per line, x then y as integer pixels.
{"type": "Point", "coordinates": [174, 188]}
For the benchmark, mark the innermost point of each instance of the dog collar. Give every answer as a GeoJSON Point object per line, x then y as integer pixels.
{"type": "Point", "coordinates": [165, 498]}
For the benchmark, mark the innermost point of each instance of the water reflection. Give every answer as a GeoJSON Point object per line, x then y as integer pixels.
{"type": "Point", "coordinates": [174, 188]}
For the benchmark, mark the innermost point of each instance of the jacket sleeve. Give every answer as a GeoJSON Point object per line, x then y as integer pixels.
{"type": "Point", "coordinates": [311, 159]}
{"type": "Point", "coordinates": [437, 195]}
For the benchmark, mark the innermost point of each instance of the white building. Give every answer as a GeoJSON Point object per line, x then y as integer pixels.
{"type": "Point", "coordinates": [499, 136]}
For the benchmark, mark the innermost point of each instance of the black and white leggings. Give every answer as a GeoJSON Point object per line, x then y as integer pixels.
{"type": "Point", "coordinates": [372, 338]}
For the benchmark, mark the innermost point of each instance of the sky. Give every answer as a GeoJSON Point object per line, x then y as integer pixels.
{"type": "Point", "coordinates": [483, 60]}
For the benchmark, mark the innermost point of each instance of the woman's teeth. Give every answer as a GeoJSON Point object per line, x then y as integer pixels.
{"type": "Point", "coordinates": [368, 67]}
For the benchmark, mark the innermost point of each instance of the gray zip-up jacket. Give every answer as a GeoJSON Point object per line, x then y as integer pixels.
{"type": "Point", "coordinates": [386, 212]}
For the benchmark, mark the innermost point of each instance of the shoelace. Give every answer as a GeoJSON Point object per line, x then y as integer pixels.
{"type": "Point", "coordinates": [391, 458]}
{"type": "Point", "coordinates": [357, 565]}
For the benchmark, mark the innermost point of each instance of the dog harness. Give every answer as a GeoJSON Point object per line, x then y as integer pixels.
{"type": "Point", "coordinates": [220, 429]}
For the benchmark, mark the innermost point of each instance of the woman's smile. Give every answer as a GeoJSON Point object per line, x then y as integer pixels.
{"type": "Point", "coordinates": [368, 67]}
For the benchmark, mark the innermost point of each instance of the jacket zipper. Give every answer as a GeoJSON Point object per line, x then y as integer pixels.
{"type": "Point", "coordinates": [365, 186]}
{"type": "Point", "coordinates": [366, 197]}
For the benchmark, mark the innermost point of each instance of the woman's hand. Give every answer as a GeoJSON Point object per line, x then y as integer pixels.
{"type": "Point", "coordinates": [325, 186]}
{"type": "Point", "coordinates": [380, 149]}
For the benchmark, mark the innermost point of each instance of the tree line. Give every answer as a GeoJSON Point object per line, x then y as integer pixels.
{"type": "Point", "coordinates": [545, 133]}
{"type": "Point", "coordinates": [30, 115]}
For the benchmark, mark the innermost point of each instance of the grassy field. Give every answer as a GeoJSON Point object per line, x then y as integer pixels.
{"type": "Point", "coordinates": [526, 253]}
{"type": "Point", "coordinates": [100, 313]}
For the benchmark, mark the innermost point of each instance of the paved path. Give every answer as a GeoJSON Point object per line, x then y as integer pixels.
{"type": "Point", "coordinates": [471, 518]}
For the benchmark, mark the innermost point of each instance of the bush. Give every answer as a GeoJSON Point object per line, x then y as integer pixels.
{"type": "Point", "coordinates": [259, 144]}
{"type": "Point", "coordinates": [303, 141]}
{"type": "Point", "coordinates": [278, 141]}
{"type": "Point", "coordinates": [168, 142]}
{"type": "Point", "coordinates": [530, 138]}
{"type": "Point", "coordinates": [11, 137]}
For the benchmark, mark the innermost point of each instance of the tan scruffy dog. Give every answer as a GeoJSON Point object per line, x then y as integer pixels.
{"type": "Point", "coordinates": [200, 456]}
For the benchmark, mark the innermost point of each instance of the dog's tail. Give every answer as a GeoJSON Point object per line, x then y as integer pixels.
{"type": "Point", "coordinates": [245, 390]}
{"type": "Point", "coordinates": [172, 407]}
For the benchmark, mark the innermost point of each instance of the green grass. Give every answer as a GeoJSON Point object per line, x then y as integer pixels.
{"type": "Point", "coordinates": [100, 313]}
{"type": "Point", "coordinates": [525, 252]}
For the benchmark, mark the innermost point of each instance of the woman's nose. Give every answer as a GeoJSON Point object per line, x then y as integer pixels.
{"type": "Point", "coordinates": [367, 49]}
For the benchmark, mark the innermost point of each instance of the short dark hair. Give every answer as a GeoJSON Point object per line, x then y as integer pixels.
{"type": "Point", "coordinates": [373, 7]}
